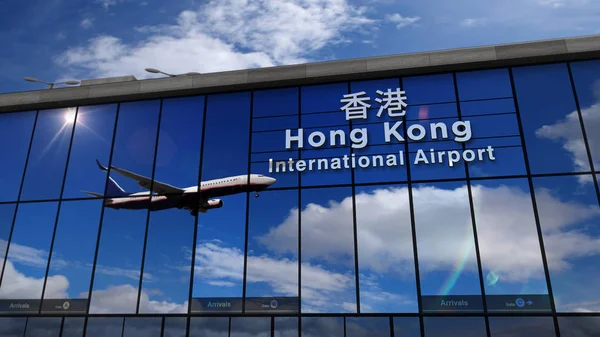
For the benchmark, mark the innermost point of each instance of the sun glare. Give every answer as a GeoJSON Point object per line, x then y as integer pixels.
{"type": "Point", "coordinates": [70, 116]}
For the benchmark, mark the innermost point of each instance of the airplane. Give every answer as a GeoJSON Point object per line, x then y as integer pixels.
{"type": "Point", "coordinates": [164, 196]}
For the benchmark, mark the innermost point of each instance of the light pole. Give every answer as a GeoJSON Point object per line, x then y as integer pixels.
{"type": "Point", "coordinates": [156, 71]}
{"type": "Point", "coordinates": [49, 84]}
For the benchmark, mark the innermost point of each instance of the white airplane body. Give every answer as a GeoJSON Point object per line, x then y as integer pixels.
{"type": "Point", "coordinates": [164, 196]}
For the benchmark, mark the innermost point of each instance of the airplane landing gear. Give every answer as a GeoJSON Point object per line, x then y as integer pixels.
{"type": "Point", "coordinates": [256, 195]}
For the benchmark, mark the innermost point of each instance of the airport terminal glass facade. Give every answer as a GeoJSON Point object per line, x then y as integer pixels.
{"type": "Point", "coordinates": [451, 204]}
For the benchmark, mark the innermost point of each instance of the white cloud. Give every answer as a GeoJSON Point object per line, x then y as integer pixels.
{"type": "Point", "coordinates": [123, 299]}
{"type": "Point", "coordinates": [469, 23]}
{"type": "Point", "coordinates": [505, 225]}
{"type": "Point", "coordinates": [562, 3]}
{"type": "Point", "coordinates": [133, 274]}
{"type": "Point", "coordinates": [25, 255]}
{"type": "Point", "coordinates": [87, 23]}
{"type": "Point", "coordinates": [568, 132]}
{"type": "Point", "coordinates": [402, 21]}
{"type": "Point", "coordinates": [18, 285]}
{"type": "Point", "coordinates": [222, 35]}
{"type": "Point", "coordinates": [216, 263]}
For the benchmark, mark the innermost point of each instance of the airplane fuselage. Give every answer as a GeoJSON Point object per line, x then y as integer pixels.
{"type": "Point", "coordinates": [191, 198]}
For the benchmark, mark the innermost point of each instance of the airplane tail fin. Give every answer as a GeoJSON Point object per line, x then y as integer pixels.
{"type": "Point", "coordinates": [114, 190]}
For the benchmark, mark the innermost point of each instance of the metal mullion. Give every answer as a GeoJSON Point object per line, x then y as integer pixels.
{"type": "Point", "coordinates": [534, 204]}
{"type": "Point", "coordinates": [354, 224]}
{"type": "Point", "coordinates": [145, 245]}
{"type": "Point", "coordinates": [12, 227]}
{"type": "Point", "coordinates": [195, 235]}
{"type": "Point", "coordinates": [413, 226]}
{"type": "Point", "coordinates": [472, 214]}
{"type": "Point", "coordinates": [247, 225]}
{"type": "Point", "coordinates": [101, 220]}
{"type": "Point", "coordinates": [583, 132]}
{"type": "Point", "coordinates": [299, 203]}
{"type": "Point", "coordinates": [62, 190]}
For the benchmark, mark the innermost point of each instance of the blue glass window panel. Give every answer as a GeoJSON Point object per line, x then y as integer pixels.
{"type": "Point", "coordinates": [508, 159]}
{"type": "Point", "coordinates": [27, 255]}
{"type": "Point", "coordinates": [439, 126]}
{"type": "Point", "coordinates": [74, 258]}
{"type": "Point", "coordinates": [275, 155]}
{"type": "Point", "coordinates": [509, 245]}
{"type": "Point", "coordinates": [454, 327]}
{"type": "Point", "coordinates": [551, 125]}
{"type": "Point", "coordinates": [385, 255]}
{"type": "Point", "coordinates": [367, 326]}
{"type": "Point", "coordinates": [327, 247]}
{"type": "Point", "coordinates": [43, 327]}
{"type": "Point", "coordinates": [270, 141]}
{"type": "Point", "coordinates": [104, 326]}
{"type": "Point", "coordinates": [175, 327]}
{"type": "Point", "coordinates": [272, 264]}
{"type": "Point", "coordinates": [91, 141]}
{"type": "Point", "coordinates": [7, 214]}
{"type": "Point", "coordinates": [330, 176]}
{"type": "Point", "coordinates": [569, 216]}
{"type": "Point", "coordinates": [285, 327]}
{"type": "Point", "coordinates": [117, 270]}
{"type": "Point", "coordinates": [227, 128]}
{"type": "Point", "coordinates": [483, 84]}
{"type": "Point", "coordinates": [179, 141]}
{"type": "Point", "coordinates": [12, 326]}
{"type": "Point", "coordinates": [494, 126]}
{"type": "Point", "coordinates": [48, 157]}
{"type": "Point", "coordinates": [435, 171]}
{"type": "Point", "coordinates": [586, 76]}
{"type": "Point", "coordinates": [323, 98]}
{"type": "Point", "coordinates": [322, 326]}
{"type": "Point", "coordinates": [209, 327]}
{"type": "Point", "coordinates": [274, 123]}
{"type": "Point", "coordinates": [275, 102]}
{"type": "Point", "coordinates": [407, 327]}
{"type": "Point", "coordinates": [142, 327]}
{"type": "Point", "coordinates": [489, 107]}
{"type": "Point", "coordinates": [437, 145]}
{"type": "Point", "coordinates": [73, 327]}
{"type": "Point", "coordinates": [429, 89]}
{"type": "Point", "coordinates": [135, 142]}
{"type": "Point", "coordinates": [167, 265]}
{"type": "Point", "coordinates": [521, 326]}
{"type": "Point", "coordinates": [385, 173]}
{"type": "Point", "coordinates": [15, 136]}
{"type": "Point", "coordinates": [447, 260]}
{"type": "Point", "coordinates": [579, 326]}
{"type": "Point", "coordinates": [433, 111]}
{"type": "Point", "coordinates": [220, 250]}
{"type": "Point", "coordinates": [250, 327]}
{"type": "Point", "coordinates": [324, 120]}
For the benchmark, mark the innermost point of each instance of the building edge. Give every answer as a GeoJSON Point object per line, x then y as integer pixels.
{"type": "Point", "coordinates": [462, 59]}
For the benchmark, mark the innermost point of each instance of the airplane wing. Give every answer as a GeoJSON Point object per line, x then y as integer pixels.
{"type": "Point", "coordinates": [145, 182]}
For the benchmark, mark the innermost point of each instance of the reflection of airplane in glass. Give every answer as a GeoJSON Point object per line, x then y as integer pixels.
{"type": "Point", "coordinates": [164, 196]}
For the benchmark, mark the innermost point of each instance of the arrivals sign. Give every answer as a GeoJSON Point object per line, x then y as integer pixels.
{"type": "Point", "coordinates": [394, 131]}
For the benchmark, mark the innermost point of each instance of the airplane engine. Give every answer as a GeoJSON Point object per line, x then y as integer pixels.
{"type": "Point", "coordinates": [213, 203]}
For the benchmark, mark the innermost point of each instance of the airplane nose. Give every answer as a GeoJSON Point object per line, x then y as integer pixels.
{"type": "Point", "coordinates": [271, 181]}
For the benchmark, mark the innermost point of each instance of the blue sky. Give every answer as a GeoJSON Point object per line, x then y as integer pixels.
{"type": "Point", "coordinates": [59, 39]}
